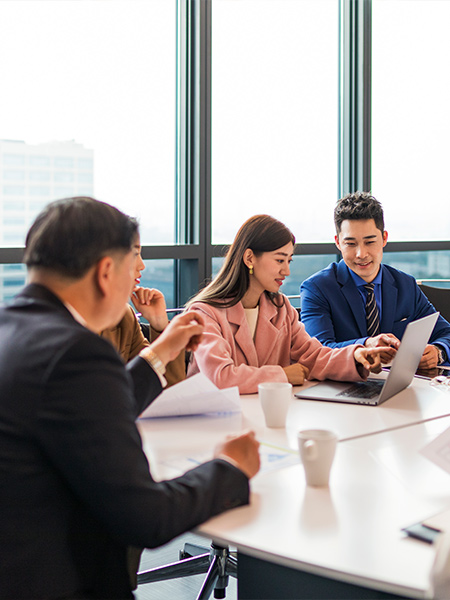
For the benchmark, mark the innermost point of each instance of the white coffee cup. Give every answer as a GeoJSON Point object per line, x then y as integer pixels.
{"type": "Point", "coordinates": [275, 398]}
{"type": "Point", "coordinates": [317, 448]}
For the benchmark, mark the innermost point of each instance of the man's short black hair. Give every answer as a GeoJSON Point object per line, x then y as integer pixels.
{"type": "Point", "coordinates": [71, 235]}
{"type": "Point", "coordinates": [356, 207]}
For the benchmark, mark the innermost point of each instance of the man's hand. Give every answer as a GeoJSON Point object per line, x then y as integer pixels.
{"type": "Point", "coordinates": [384, 339]}
{"type": "Point", "coordinates": [296, 373]}
{"type": "Point", "coordinates": [183, 332]}
{"type": "Point", "coordinates": [152, 306]}
{"type": "Point", "coordinates": [430, 358]}
{"type": "Point", "coordinates": [242, 449]}
{"type": "Point", "coordinates": [370, 358]}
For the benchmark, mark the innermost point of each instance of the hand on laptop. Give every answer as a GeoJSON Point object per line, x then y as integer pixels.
{"type": "Point", "coordinates": [370, 358]}
{"type": "Point", "coordinates": [384, 339]}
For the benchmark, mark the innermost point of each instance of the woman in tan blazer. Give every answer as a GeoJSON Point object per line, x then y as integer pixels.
{"type": "Point", "coordinates": [252, 333]}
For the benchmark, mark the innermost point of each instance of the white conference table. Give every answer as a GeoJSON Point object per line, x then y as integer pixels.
{"type": "Point", "coordinates": [349, 532]}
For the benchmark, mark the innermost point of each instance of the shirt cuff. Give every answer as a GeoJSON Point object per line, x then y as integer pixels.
{"type": "Point", "coordinates": [156, 364]}
{"type": "Point", "coordinates": [230, 460]}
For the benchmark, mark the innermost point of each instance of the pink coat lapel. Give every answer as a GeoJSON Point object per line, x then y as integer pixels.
{"type": "Point", "coordinates": [242, 336]}
{"type": "Point", "coordinates": [267, 332]}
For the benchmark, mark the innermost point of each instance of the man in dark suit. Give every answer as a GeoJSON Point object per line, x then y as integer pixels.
{"type": "Point", "coordinates": [335, 301]}
{"type": "Point", "coordinates": [76, 490]}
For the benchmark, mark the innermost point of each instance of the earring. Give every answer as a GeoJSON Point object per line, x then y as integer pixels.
{"type": "Point", "coordinates": [250, 270]}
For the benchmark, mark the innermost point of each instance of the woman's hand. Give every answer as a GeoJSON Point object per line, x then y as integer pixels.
{"type": "Point", "coordinates": [152, 306]}
{"type": "Point", "coordinates": [370, 359]}
{"type": "Point", "coordinates": [296, 373]}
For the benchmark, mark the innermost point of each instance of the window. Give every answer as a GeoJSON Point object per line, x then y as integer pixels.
{"type": "Point", "coordinates": [39, 161]}
{"type": "Point", "coordinates": [13, 190]}
{"type": "Point", "coordinates": [39, 176]}
{"type": "Point", "coordinates": [274, 114]}
{"type": "Point", "coordinates": [15, 160]}
{"type": "Point", "coordinates": [63, 162]}
{"type": "Point", "coordinates": [421, 265]}
{"type": "Point", "coordinates": [64, 176]}
{"type": "Point", "coordinates": [121, 123]}
{"type": "Point", "coordinates": [39, 190]}
{"type": "Point", "coordinates": [301, 267]}
{"type": "Point", "coordinates": [85, 177]}
{"type": "Point", "coordinates": [160, 274]}
{"type": "Point", "coordinates": [14, 175]}
{"type": "Point", "coordinates": [85, 163]}
{"type": "Point", "coordinates": [411, 117]}
{"type": "Point", "coordinates": [12, 280]}
{"type": "Point", "coordinates": [273, 138]}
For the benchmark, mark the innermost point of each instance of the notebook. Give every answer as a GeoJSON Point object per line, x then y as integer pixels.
{"type": "Point", "coordinates": [376, 391]}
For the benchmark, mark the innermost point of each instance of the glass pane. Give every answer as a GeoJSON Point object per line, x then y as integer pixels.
{"type": "Point", "coordinates": [160, 274]}
{"type": "Point", "coordinates": [12, 280]}
{"type": "Point", "coordinates": [422, 265]}
{"type": "Point", "coordinates": [302, 267]}
{"type": "Point", "coordinates": [274, 115]}
{"type": "Point", "coordinates": [157, 274]}
{"type": "Point", "coordinates": [88, 108]}
{"type": "Point", "coordinates": [410, 119]}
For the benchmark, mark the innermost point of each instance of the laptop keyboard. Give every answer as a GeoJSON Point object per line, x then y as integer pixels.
{"type": "Point", "coordinates": [363, 389]}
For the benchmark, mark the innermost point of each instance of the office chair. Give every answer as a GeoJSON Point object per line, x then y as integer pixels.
{"type": "Point", "coordinates": [439, 298]}
{"type": "Point", "coordinates": [217, 562]}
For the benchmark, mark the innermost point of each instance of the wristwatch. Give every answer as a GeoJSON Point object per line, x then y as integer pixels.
{"type": "Point", "coordinates": [442, 354]}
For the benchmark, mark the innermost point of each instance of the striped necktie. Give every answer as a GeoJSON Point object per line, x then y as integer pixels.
{"type": "Point", "coordinates": [373, 321]}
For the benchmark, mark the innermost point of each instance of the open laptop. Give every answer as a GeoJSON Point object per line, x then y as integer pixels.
{"type": "Point", "coordinates": [376, 391]}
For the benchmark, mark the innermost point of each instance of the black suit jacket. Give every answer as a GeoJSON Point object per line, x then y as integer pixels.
{"type": "Point", "coordinates": [75, 486]}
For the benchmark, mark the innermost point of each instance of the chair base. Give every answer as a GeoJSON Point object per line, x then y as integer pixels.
{"type": "Point", "coordinates": [217, 562]}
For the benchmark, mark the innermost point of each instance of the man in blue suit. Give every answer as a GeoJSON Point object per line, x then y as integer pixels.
{"type": "Point", "coordinates": [333, 301]}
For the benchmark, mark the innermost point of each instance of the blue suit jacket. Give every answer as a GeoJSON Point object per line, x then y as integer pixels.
{"type": "Point", "coordinates": [332, 311]}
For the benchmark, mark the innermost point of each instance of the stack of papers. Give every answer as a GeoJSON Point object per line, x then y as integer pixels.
{"type": "Point", "coordinates": [196, 395]}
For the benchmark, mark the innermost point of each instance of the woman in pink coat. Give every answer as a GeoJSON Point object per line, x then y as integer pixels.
{"type": "Point", "coordinates": [252, 333]}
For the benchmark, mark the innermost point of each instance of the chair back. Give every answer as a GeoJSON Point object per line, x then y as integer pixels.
{"type": "Point", "coordinates": [439, 298]}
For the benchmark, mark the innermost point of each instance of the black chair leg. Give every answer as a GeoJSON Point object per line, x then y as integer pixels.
{"type": "Point", "coordinates": [211, 579]}
{"type": "Point", "coordinates": [183, 568]}
{"type": "Point", "coordinates": [222, 565]}
{"type": "Point", "coordinates": [192, 550]}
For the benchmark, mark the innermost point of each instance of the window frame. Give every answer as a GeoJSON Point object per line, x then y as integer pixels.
{"type": "Point", "coordinates": [193, 251]}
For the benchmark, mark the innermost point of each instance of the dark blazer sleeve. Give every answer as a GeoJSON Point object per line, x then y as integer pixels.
{"type": "Point", "coordinates": [86, 429]}
{"type": "Point", "coordinates": [146, 385]}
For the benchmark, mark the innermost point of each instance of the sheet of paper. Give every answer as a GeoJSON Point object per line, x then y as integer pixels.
{"type": "Point", "coordinates": [272, 457]}
{"type": "Point", "coordinates": [438, 451]}
{"type": "Point", "coordinates": [196, 395]}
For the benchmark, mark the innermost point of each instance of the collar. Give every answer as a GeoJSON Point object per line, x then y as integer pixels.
{"type": "Point", "coordinates": [76, 315]}
{"type": "Point", "coordinates": [359, 282]}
